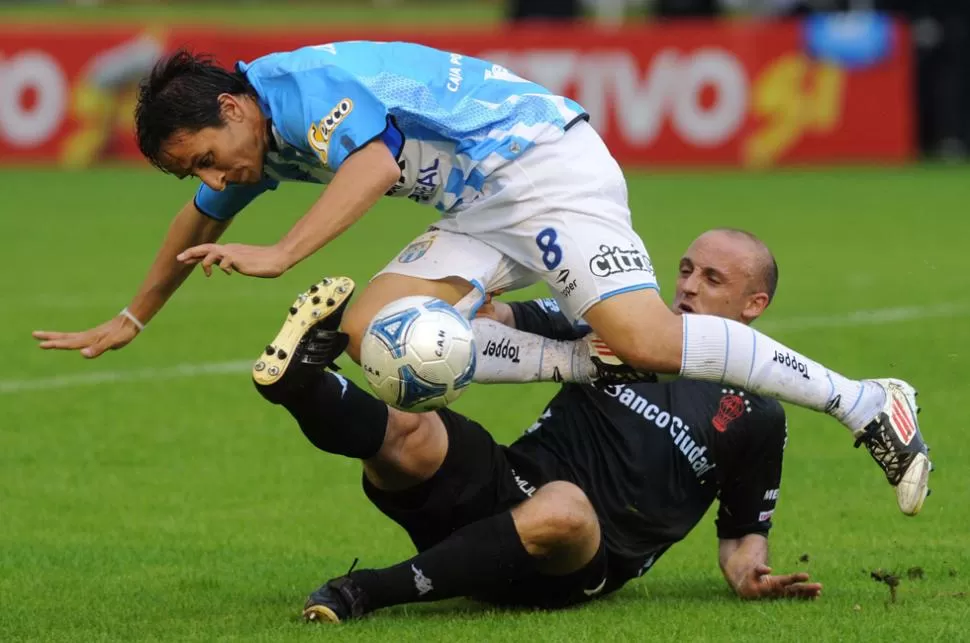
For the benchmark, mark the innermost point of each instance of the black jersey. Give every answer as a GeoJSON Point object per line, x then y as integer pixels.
{"type": "Point", "coordinates": [653, 457]}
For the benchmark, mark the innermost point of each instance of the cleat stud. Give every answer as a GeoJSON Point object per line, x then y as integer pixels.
{"type": "Point", "coordinates": [314, 288]}
{"type": "Point", "coordinates": [326, 281]}
{"type": "Point", "coordinates": [270, 350]}
{"type": "Point", "coordinates": [293, 310]}
{"type": "Point", "coordinates": [274, 371]}
{"type": "Point", "coordinates": [315, 301]}
{"type": "Point", "coordinates": [341, 289]}
{"type": "Point", "coordinates": [281, 354]}
{"type": "Point", "coordinates": [315, 313]}
{"type": "Point", "coordinates": [260, 365]}
{"type": "Point", "coordinates": [331, 302]}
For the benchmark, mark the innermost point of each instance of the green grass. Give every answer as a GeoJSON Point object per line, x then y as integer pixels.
{"type": "Point", "coordinates": [187, 509]}
{"type": "Point", "coordinates": [340, 12]}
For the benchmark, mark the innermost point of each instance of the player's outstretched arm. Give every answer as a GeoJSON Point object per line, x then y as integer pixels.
{"type": "Point", "coordinates": [744, 562]}
{"type": "Point", "coordinates": [361, 181]}
{"type": "Point", "coordinates": [190, 227]}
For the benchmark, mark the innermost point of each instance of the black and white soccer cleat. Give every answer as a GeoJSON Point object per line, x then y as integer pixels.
{"type": "Point", "coordinates": [307, 342]}
{"type": "Point", "coordinates": [894, 441]}
{"type": "Point", "coordinates": [336, 601]}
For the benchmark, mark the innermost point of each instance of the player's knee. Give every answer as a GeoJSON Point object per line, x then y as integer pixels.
{"type": "Point", "coordinates": [559, 516]}
{"type": "Point", "coordinates": [415, 445]}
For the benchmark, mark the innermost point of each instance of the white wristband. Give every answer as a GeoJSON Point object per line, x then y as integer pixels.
{"type": "Point", "coordinates": [134, 320]}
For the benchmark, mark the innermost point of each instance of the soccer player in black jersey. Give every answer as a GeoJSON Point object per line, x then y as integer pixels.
{"type": "Point", "coordinates": [590, 497]}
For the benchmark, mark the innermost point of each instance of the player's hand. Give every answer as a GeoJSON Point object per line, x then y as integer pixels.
{"type": "Point", "coordinates": [760, 583]}
{"type": "Point", "coordinates": [497, 310]}
{"type": "Point", "coordinates": [255, 261]}
{"type": "Point", "coordinates": [110, 335]}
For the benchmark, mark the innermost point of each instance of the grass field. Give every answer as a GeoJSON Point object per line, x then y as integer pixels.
{"type": "Point", "coordinates": [152, 495]}
{"type": "Point", "coordinates": [267, 13]}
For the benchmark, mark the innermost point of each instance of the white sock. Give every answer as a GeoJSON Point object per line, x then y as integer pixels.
{"type": "Point", "coordinates": [728, 352]}
{"type": "Point", "coordinates": [508, 355]}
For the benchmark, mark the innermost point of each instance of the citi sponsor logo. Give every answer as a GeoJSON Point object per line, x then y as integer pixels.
{"type": "Point", "coordinates": [679, 431]}
{"type": "Point", "coordinates": [613, 261]}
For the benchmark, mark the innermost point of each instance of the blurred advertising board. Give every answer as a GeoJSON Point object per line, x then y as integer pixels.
{"type": "Point", "coordinates": [744, 94]}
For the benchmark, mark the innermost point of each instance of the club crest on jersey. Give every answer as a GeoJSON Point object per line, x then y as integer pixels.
{"type": "Point", "coordinates": [415, 251]}
{"type": "Point", "coordinates": [319, 134]}
{"type": "Point", "coordinates": [733, 405]}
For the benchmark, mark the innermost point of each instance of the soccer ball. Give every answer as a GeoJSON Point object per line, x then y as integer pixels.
{"type": "Point", "coordinates": [418, 354]}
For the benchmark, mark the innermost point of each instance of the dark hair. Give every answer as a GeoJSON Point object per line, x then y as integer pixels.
{"type": "Point", "coordinates": [768, 266]}
{"type": "Point", "coordinates": [182, 93]}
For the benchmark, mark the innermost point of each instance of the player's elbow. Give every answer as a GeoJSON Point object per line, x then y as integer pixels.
{"type": "Point", "coordinates": [382, 164]}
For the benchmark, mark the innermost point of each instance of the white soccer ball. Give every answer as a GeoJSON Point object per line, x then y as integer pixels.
{"type": "Point", "coordinates": [418, 354]}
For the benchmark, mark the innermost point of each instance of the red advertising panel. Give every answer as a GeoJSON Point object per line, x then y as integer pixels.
{"type": "Point", "coordinates": [731, 94]}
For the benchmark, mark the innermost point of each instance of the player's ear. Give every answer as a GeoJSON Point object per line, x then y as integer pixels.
{"type": "Point", "coordinates": [230, 108]}
{"type": "Point", "coordinates": [755, 306]}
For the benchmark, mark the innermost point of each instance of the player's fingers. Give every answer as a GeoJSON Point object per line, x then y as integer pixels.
{"type": "Point", "coordinates": [66, 343]}
{"type": "Point", "coordinates": [226, 265]}
{"type": "Point", "coordinates": [486, 310]}
{"type": "Point", "coordinates": [196, 252]}
{"type": "Point", "coordinates": [211, 258]}
{"type": "Point", "coordinates": [804, 590]}
{"type": "Point", "coordinates": [207, 262]}
{"type": "Point", "coordinates": [791, 579]}
{"type": "Point", "coordinates": [49, 334]}
{"type": "Point", "coordinates": [96, 348]}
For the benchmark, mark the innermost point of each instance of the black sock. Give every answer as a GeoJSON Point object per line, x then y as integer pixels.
{"type": "Point", "coordinates": [479, 559]}
{"type": "Point", "coordinates": [338, 417]}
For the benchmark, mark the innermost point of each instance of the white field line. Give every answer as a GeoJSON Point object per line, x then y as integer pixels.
{"type": "Point", "coordinates": [134, 375]}
{"type": "Point", "coordinates": [875, 317]}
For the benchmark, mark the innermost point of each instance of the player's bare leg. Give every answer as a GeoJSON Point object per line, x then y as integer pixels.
{"type": "Point", "coordinates": [415, 445]}
{"type": "Point", "coordinates": [639, 330]}
{"type": "Point", "coordinates": [388, 287]}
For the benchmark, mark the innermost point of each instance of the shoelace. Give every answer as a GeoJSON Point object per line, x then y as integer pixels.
{"type": "Point", "coordinates": [880, 446]}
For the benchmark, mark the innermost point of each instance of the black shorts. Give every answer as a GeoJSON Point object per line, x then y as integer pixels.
{"type": "Point", "coordinates": [478, 479]}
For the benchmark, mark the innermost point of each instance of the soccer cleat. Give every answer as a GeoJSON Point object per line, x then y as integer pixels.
{"type": "Point", "coordinates": [609, 367]}
{"type": "Point", "coordinates": [894, 441]}
{"type": "Point", "coordinates": [338, 600]}
{"type": "Point", "coordinates": [308, 341]}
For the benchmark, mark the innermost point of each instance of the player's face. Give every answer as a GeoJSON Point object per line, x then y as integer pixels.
{"type": "Point", "coordinates": [715, 278]}
{"type": "Point", "coordinates": [230, 153]}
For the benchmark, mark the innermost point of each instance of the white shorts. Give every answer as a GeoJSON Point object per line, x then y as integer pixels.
{"type": "Point", "coordinates": [558, 213]}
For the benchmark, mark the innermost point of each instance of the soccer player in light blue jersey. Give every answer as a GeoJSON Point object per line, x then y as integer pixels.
{"type": "Point", "coordinates": [526, 189]}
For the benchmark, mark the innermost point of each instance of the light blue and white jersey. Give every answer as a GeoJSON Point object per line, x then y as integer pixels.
{"type": "Point", "coordinates": [451, 120]}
